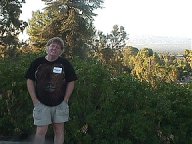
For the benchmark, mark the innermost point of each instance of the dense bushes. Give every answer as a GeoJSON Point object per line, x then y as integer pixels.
{"type": "Point", "coordinates": [104, 108]}
{"type": "Point", "coordinates": [15, 104]}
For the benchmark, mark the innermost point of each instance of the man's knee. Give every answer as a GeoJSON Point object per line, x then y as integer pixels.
{"type": "Point", "coordinates": [58, 128]}
{"type": "Point", "coordinates": [41, 131]}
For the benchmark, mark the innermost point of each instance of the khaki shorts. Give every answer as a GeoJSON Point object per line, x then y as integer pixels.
{"type": "Point", "coordinates": [45, 115]}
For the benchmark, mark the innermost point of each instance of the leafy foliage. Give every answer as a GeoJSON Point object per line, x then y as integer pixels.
{"type": "Point", "coordinates": [15, 105]}
{"type": "Point", "coordinates": [10, 26]}
{"type": "Point", "coordinates": [155, 68]}
{"type": "Point", "coordinates": [109, 48]}
{"type": "Point", "coordinates": [104, 108]}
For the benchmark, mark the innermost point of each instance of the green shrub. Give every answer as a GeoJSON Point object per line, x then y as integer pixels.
{"type": "Point", "coordinates": [92, 89]}
{"type": "Point", "coordinates": [172, 111]}
{"type": "Point", "coordinates": [15, 104]}
{"type": "Point", "coordinates": [104, 108]}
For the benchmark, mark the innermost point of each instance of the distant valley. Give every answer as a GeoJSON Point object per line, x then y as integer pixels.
{"type": "Point", "coordinates": [172, 45]}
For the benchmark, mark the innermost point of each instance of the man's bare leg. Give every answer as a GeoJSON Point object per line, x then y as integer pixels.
{"type": "Point", "coordinates": [40, 134]}
{"type": "Point", "coordinates": [59, 133]}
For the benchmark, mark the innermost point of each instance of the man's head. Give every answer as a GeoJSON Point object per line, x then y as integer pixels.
{"type": "Point", "coordinates": [56, 40]}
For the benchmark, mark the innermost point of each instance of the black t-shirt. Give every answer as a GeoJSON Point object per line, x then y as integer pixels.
{"type": "Point", "coordinates": [51, 79]}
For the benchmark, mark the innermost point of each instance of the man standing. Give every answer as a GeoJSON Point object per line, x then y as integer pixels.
{"type": "Point", "coordinates": [50, 83]}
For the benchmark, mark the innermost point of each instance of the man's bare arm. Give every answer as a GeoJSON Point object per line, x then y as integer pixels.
{"type": "Point", "coordinates": [31, 90]}
{"type": "Point", "coordinates": [69, 90]}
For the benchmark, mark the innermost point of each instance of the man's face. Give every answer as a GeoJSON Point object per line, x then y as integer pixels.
{"type": "Point", "coordinates": [54, 49]}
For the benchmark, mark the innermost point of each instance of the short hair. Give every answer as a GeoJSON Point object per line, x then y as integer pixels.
{"type": "Point", "coordinates": [56, 40]}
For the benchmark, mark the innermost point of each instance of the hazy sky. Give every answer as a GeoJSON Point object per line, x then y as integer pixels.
{"type": "Point", "coordinates": [147, 17]}
{"type": "Point", "coordinates": [139, 17]}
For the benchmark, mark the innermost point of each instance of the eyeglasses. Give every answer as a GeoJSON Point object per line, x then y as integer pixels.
{"type": "Point", "coordinates": [56, 46]}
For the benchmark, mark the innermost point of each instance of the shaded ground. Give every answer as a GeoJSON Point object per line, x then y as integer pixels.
{"type": "Point", "coordinates": [18, 140]}
{"type": "Point", "coordinates": [9, 142]}
{"type": "Point", "coordinates": [14, 140]}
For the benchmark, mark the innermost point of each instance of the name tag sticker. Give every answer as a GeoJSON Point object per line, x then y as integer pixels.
{"type": "Point", "coordinates": [57, 70]}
